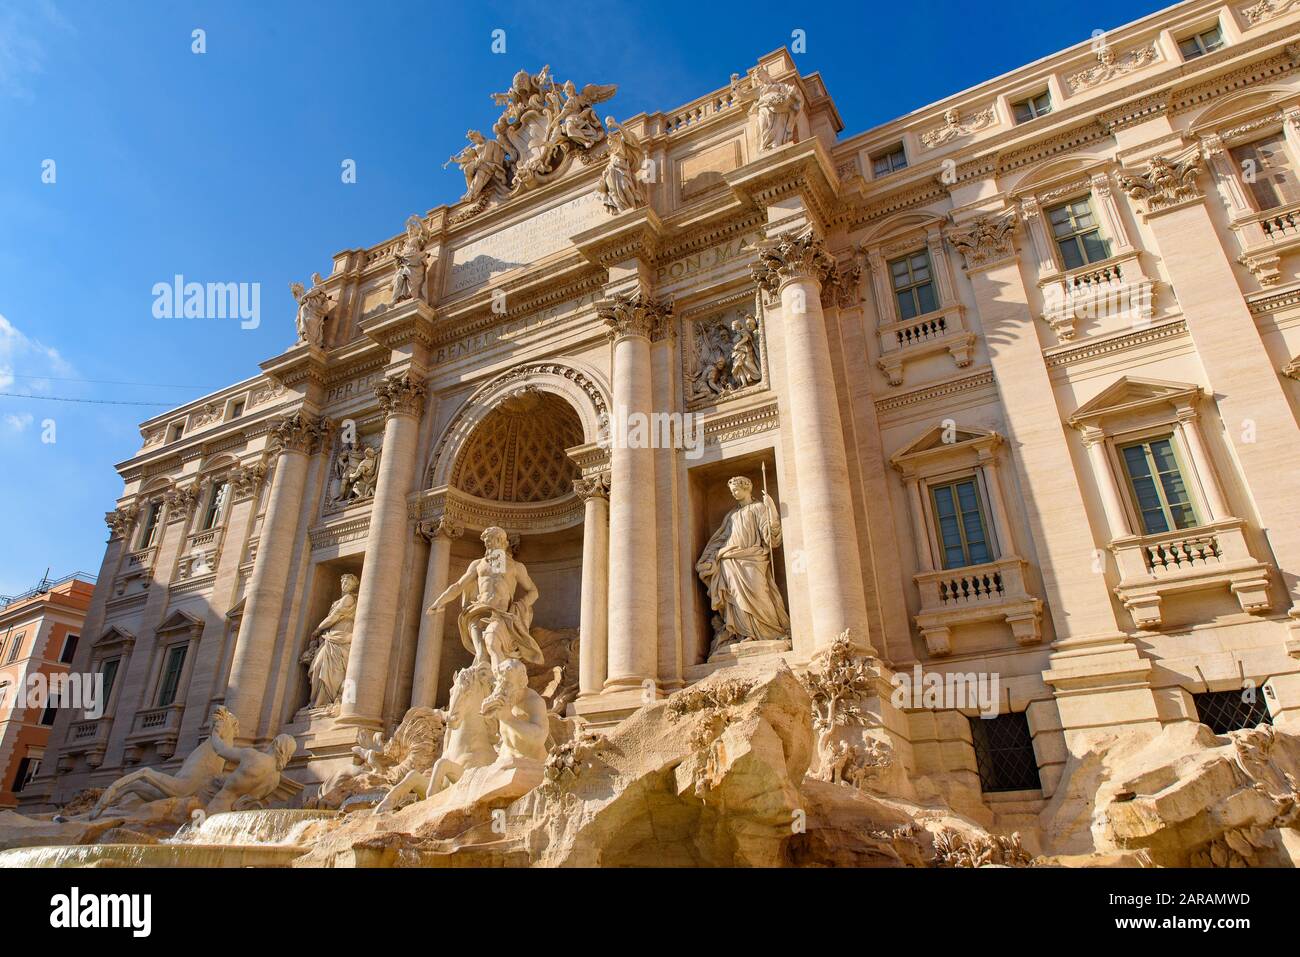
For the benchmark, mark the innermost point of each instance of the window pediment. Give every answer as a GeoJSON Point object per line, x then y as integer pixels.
{"type": "Point", "coordinates": [1132, 394]}
{"type": "Point", "coordinates": [114, 637]}
{"type": "Point", "coordinates": [941, 442]}
{"type": "Point", "coordinates": [179, 620]}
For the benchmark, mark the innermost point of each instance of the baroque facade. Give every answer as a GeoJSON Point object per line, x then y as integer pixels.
{"type": "Point", "coordinates": [1018, 371]}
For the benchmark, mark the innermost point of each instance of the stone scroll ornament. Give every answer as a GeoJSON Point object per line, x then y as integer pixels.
{"type": "Point", "coordinates": [543, 124]}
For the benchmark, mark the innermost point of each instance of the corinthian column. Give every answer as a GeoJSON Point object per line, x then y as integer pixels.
{"type": "Point", "coordinates": [633, 635]}
{"type": "Point", "coordinates": [293, 439]}
{"type": "Point", "coordinates": [401, 398]}
{"type": "Point", "coordinates": [594, 622]}
{"type": "Point", "coordinates": [428, 652]}
{"type": "Point", "coordinates": [794, 268]}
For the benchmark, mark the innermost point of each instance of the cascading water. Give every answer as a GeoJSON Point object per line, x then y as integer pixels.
{"type": "Point", "coordinates": [271, 838]}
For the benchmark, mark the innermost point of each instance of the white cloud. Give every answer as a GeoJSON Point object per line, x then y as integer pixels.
{"type": "Point", "coordinates": [20, 422]}
{"type": "Point", "coordinates": [20, 355]}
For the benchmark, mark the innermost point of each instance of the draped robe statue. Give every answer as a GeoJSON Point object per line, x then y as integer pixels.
{"type": "Point", "coordinates": [736, 568]}
{"type": "Point", "coordinates": [326, 656]}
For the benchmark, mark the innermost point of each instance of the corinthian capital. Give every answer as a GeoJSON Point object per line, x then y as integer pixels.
{"type": "Point", "coordinates": [1165, 183]}
{"type": "Point", "coordinates": [400, 395]}
{"type": "Point", "coordinates": [594, 486]}
{"type": "Point", "coordinates": [791, 257]}
{"type": "Point", "coordinates": [244, 479]}
{"type": "Point", "coordinates": [635, 314]}
{"type": "Point", "coordinates": [120, 520]}
{"type": "Point", "coordinates": [442, 525]}
{"type": "Point", "coordinates": [985, 238]}
{"type": "Point", "coordinates": [298, 432]}
{"type": "Point", "coordinates": [182, 500]}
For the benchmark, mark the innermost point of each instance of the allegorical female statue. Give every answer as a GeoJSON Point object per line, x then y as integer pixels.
{"type": "Point", "coordinates": [736, 567]}
{"type": "Point", "coordinates": [326, 656]}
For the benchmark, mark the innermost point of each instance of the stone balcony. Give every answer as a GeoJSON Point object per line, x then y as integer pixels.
{"type": "Point", "coordinates": [935, 332]}
{"type": "Point", "coordinates": [1267, 237]}
{"type": "Point", "coordinates": [88, 737]}
{"type": "Point", "coordinates": [994, 591]}
{"type": "Point", "coordinates": [159, 727]}
{"type": "Point", "coordinates": [1213, 556]}
{"type": "Point", "coordinates": [1113, 288]}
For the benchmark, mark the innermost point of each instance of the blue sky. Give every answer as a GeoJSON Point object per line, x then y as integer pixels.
{"type": "Point", "coordinates": [225, 167]}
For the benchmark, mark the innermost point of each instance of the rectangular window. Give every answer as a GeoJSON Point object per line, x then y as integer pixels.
{"type": "Point", "coordinates": [1077, 234]}
{"type": "Point", "coordinates": [237, 409]}
{"type": "Point", "coordinates": [1224, 711]}
{"type": "Point", "coordinates": [890, 161]}
{"type": "Point", "coordinates": [109, 670]}
{"type": "Point", "coordinates": [47, 716]}
{"type": "Point", "coordinates": [149, 532]}
{"type": "Point", "coordinates": [1032, 107]}
{"type": "Point", "coordinates": [1265, 167]}
{"type": "Point", "coordinates": [24, 774]}
{"type": "Point", "coordinates": [171, 675]}
{"type": "Point", "coordinates": [216, 502]}
{"type": "Point", "coordinates": [16, 647]}
{"type": "Point", "coordinates": [1199, 44]}
{"type": "Point", "coordinates": [175, 431]}
{"type": "Point", "coordinates": [1157, 484]}
{"type": "Point", "coordinates": [959, 518]}
{"type": "Point", "coordinates": [1004, 753]}
{"type": "Point", "coordinates": [69, 649]}
{"type": "Point", "coordinates": [4, 693]}
{"type": "Point", "coordinates": [913, 285]}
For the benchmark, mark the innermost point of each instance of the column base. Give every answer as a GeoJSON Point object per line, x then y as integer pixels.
{"type": "Point", "coordinates": [613, 704]}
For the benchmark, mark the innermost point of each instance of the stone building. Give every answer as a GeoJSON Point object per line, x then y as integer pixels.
{"type": "Point", "coordinates": [39, 633]}
{"type": "Point", "coordinates": [1019, 370]}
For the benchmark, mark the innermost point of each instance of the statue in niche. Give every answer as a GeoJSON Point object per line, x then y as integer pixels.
{"type": "Point", "coordinates": [726, 358]}
{"type": "Point", "coordinates": [483, 162]}
{"type": "Point", "coordinates": [326, 656]}
{"type": "Point", "coordinates": [736, 568]}
{"type": "Point", "coordinates": [314, 307]}
{"type": "Point", "coordinates": [744, 352]}
{"type": "Point", "coordinates": [494, 624]}
{"type": "Point", "coordinates": [408, 280]}
{"type": "Point", "coordinates": [357, 469]}
{"type": "Point", "coordinates": [256, 774]}
{"type": "Point", "coordinates": [620, 186]}
{"type": "Point", "coordinates": [777, 105]}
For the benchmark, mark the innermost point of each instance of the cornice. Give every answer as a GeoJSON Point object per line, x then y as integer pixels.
{"type": "Point", "coordinates": [1104, 345]}
{"type": "Point", "coordinates": [940, 390]}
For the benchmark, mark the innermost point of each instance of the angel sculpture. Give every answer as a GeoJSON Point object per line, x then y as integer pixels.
{"type": "Point", "coordinates": [620, 187]}
{"type": "Point", "coordinates": [1164, 183]}
{"type": "Point", "coordinates": [577, 120]}
{"type": "Point", "coordinates": [314, 306]}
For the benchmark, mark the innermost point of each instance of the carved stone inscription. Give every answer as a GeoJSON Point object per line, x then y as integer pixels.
{"type": "Point", "coordinates": [479, 262]}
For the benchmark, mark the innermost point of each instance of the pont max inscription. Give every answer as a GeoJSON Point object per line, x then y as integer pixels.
{"type": "Point", "coordinates": [479, 262]}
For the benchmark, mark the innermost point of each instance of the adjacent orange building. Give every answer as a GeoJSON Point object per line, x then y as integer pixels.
{"type": "Point", "coordinates": [39, 631]}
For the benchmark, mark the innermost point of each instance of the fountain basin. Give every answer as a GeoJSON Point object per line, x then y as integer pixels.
{"type": "Point", "coordinates": [150, 855]}
{"type": "Point", "coordinates": [277, 827]}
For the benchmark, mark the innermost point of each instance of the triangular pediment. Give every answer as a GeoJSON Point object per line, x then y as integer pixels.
{"type": "Point", "coordinates": [179, 620]}
{"type": "Point", "coordinates": [115, 636]}
{"type": "Point", "coordinates": [942, 438]}
{"type": "Point", "coordinates": [1131, 393]}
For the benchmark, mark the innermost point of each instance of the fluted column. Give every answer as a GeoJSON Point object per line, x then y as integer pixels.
{"type": "Point", "coordinates": [633, 593]}
{"type": "Point", "coordinates": [441, 533]}
{"type": "Point", "coordinates": [594, 622]}
{"type": "Point", "coordinates": [250, 670]}
{"type": "Point", "coordinates": [362, 698]}
{"type": "Point", "coordinates": [794, 268]}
